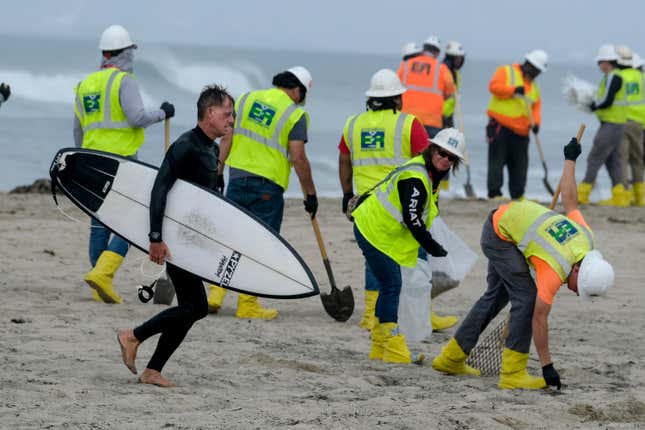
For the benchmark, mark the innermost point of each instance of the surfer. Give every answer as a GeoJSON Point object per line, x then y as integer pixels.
{"type": "Point", "coordinates": [109, 116]}
{"type": "Point", "coordinates": [193, 157]}
{"type": "Point", "coordinates": [270, 136]}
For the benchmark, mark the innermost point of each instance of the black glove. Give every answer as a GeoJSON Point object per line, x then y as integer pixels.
{"type": "Point", "coordinates": [551, 376]}
{"type": "Point", "coordinates": [593, 107]}
{"type": "Point", "coordinates": [168, 109]}
{"type": "Point", "coordinates": [435, 249]}
{"type": "Point", "coordinates": [572, 150]}
{"type": "Point", "coordinates": [519, 91]}
{"type": "Point", "coordinates": [346, 198]}
{"type": "Point", "coordinates": [536, 128]}
{"type": "Point", "coordinates": [311, 205]}
{"type": "Point", "coordinates": [5, 90]}
{"type": "Point", "coordinates": [219, 185]}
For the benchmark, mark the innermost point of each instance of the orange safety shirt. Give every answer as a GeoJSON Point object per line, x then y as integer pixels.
{"type": "Point", "coordinates": [429, 83]}
{"type": "Point", "coordinates": [502, 87]}
{"type": "Point", "coordinates": [546, 279]}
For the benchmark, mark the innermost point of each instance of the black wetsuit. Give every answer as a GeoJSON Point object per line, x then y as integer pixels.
{"type": "Point", "coordinates": [193, 158]}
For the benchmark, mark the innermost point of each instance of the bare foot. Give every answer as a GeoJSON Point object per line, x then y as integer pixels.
{"type": "Point", "coordinates": [129, 345]}
{"type": "Point", "coordinates": [149, 376]}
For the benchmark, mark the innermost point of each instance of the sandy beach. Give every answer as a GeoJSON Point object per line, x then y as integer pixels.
{"type": "Point", "coordinates": [60, 365]}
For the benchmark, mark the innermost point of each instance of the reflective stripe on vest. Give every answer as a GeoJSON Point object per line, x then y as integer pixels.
{"type": "Point", "coordinates": [514, 109]}
{"type": "Point", "coordinates": [274, 141]}
{"type": "Point", "coordinates": [107, 122]}
{"type": "Point", "coordinates": [382, 195]}
{"type": "Point", "coordinates": [532, 235]}
{"type": "Point", "coordinates": [635, 101]}
{"type": "Point", "coordinates": [398, 145]}
{"type": "Point", "coordinates": [616, 113]}
{"type": "Point", "coordinates": [435, 81]}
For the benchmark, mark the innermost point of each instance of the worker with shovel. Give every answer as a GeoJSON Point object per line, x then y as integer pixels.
{"type": "Point", "coordinates": [372, 145]}
{"type": "Point", "coordinates": [269, 137]}
{"type": "Point", "coordinates": [391, 223]}
{"type": "Point", "coordinates": [511, 88]}
{"type": "Point", "coordinates": [516, 237]}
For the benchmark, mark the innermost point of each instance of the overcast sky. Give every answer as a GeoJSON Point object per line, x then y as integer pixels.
{"type": "Point", "coordinates": [567, 29]}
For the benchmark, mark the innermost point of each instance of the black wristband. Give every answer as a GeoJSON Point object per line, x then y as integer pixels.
{"type": "Point", "coordinates": [154, 236]}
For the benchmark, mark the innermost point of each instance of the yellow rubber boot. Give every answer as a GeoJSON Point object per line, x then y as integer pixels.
{"type": "Point", "coordinates": [377, 337]}
{"type": "Point", "coordinates": [395, 348]}
{"type": "Point", "coordinates": [248, 307]}
{"type": "Point", "coordinates": [100, 277]}
{"type": "Point", "coordinates": [452, 360]}
{"type": "Point", "coordinates": [442, 322]}
{"type": "Point", "coordinates": [584, 190]}
{"type": "Point", "coordinates": [215, 298]}
{"type": "Point", "coordinates": [513, 373]}
{"type": "Point", "coordinates": [639, 194]}
{"type": "Point", "coordinates": [444, 185]}
{"type": "Point", "coordinates": [619, 197]}
{"type": "Point", "coordinates": [368, 320]}
{"type": "Point", "coordinates": [96, 297]}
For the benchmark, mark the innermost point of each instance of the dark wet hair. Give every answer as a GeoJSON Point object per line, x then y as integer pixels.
{"type": "Point", "coordinates": [288, 80]}
{"type": "Point", "coordinates": [431, 48]}
{"type": "Point", "coordinates": [384, 103]}
{"type": "Point", "coordinates": [212, 95]}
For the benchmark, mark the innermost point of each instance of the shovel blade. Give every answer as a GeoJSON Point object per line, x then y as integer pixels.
{"type": "Point", "coordinates": [339, 304]}
{"type": "Point", "coordinates": [470, 193]}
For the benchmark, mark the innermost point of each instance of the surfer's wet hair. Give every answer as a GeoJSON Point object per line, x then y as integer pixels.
{"type": "Point", "coordinates": [212, 95]}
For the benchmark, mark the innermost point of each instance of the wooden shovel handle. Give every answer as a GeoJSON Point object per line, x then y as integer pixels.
{"type": "Point", "coordinates": [166, 134]}
{"type": "Point", "coordinates": [556, 194]}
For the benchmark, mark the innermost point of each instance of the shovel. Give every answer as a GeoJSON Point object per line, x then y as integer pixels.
{"type": "Point", "coordinates": [339, 304]}
{"type": "Point", "coordinates": [545, 180]}
{"type": "Point", "coordinates": [468, 188]}
{"type": "Point", "coordinates": [164, 291]}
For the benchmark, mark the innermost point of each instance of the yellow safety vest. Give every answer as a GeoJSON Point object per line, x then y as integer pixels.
{"type": "Point", "coordinates": [449, 103]}
{"type": "Point", "coordinates": [552, 237]}
{"type": "Point", "coordinates": [261, 135]}
{"type": "Point", "coordinates": [378, 141]}
{"type": "Point", "coordinates": [635, 105]}
{"type": "Point", "coordinates": [379, 218]}
{"type": "Point", "coordinates": [514, 107]}
{"type": "Point", "coordinates": [98, 109]}
{"type": "Point", "coordinates": [615, 113]}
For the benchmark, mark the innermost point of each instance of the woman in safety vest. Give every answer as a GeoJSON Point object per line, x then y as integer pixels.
{"type": "Point", "coordinates": [389, 226]}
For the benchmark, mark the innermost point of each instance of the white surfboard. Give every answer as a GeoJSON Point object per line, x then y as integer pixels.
{"type": "Point", "coordinates": [207, 234]}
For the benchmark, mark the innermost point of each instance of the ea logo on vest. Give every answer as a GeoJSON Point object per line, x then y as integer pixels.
{"type": "Point", "coordinates": [92, 103]}
{"type": "Point", "coordinates": [372, 139]}
{"type": "Point", "coordinates": [562, 231]}
{"type": "Point", "coordinates": [262, 114]}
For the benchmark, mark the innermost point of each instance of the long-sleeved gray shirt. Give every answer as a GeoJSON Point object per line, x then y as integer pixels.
{"type": "Point", "coordinates": [129, 97]}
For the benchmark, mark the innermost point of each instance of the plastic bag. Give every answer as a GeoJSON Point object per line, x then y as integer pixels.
{"type": "Point", "coordinates": [460, 258]}
{"type": "Point", "coordinates": [578, 92]}
{"type": "Point", "coordinates": [414, 302]}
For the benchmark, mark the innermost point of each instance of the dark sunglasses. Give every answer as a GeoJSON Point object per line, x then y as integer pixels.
{"type": "Point", "coordinates": [448, 155]}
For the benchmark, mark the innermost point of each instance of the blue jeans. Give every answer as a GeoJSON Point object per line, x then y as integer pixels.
{"type": "Point", "coordinates": [371, 282]}
{"type": "Point", "coordinates": [100, 241]}
{"type": "Point", "coordinates": [260, 196]}
{"type": "Point", "coordinates": [387, 273]}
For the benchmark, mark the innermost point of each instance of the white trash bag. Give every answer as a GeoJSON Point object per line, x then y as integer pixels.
{"type": "Point", "coordinates": [414, 302]}
{"type": "Point", "coordinates": [578, 92]}
{"type": "Point", "coordinates": [460, 259]}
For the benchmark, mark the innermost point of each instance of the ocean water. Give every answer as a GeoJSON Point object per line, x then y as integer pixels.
{"type": "Point", "coordinates": [37, 120]}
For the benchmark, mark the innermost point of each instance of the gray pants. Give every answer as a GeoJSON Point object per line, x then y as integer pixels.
{"type": "Point", "coordinates": [631, 152]}
{"type": "Point", "coordinates": [606, 150]}
{"type": "Point", "coordinates": [508, 279]}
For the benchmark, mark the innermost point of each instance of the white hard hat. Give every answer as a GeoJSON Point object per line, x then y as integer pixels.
{"type": "Point", "coordinates": [538, 58]}
{"type": "Point", "coordinates": [385, 83]}
{"type": "Point", "coordinates": [303, 76]}
{"type": "Point", "coordinates": [451, 140]}
{"type": "Point", "coordinates": [624, 55]}
{"type": "Point", "coordinates": [433, 41]}
{"type": "Point", "coordinates": [637, 61]}
{"type": "Point", "coordinates": [595, 276]}
{"type": "Point", "coordinates": [607, 52]}
{"type": "Point", "coordinates": [411, 48]}
{"type": "Point", "coordinates": [115, 37]}
{"type": "Point", "coordinates": [454, 48]}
